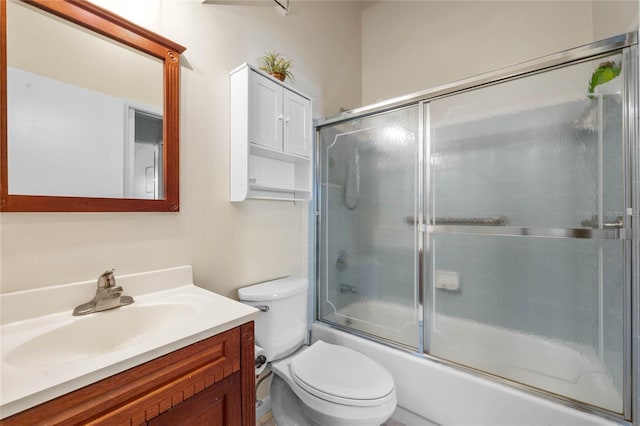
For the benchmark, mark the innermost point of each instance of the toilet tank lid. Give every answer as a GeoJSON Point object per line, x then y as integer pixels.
{"type": "Point", "coordinates": [272, 290]}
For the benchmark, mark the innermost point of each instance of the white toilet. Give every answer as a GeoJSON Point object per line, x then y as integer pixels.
{"type": "Point", "coordinates": [322, 384]}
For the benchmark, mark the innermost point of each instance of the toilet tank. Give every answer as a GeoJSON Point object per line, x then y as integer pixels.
{"type": "Point", "coordinates": [282, 326]}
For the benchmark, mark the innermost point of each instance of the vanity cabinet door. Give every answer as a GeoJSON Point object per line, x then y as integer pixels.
{"type": "Point", "coordinates": [217, 405]}
{"type": "Point", "coordinates": [297, 124]}
{"type": "Point", "coordinates": [265, 105]}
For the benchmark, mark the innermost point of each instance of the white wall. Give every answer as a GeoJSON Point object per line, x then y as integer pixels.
{"type": "Point", "coordinates": [611, 18]}
{"type": "Point", "coordinates": [46, 156]}
{"type": "Point", "coordinates": [73, 55]}
{"type": "Point", "coordinates": [408, 46]}
{"type": "Point", "coordinates": [230, 245]}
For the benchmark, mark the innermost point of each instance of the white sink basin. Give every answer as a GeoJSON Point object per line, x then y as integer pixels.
{"type": "Point", "coordinates": [98, 333]}
{"type": "Point", "coordinates": [47, 352]}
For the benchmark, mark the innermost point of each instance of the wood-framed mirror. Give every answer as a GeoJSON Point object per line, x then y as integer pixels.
{"type": "Point", "coordinates": [36, 174]}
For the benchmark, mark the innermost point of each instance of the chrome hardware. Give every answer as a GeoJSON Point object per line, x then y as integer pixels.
{"type": "Point", "coordinates": [108, 296]}
{"type": "Point", "coordinates": [107, 280]}
{"type": "Point", "coordinates": [595, 234]}
{"type": "Point", "coordinates": [595, 223]}
{"type": "Point", "coordinates": [475, 221]}
{"type": "Point", "coordinates": [260, 361]}
{"type": "Point", "coordinates": [341, 261]}
{"type": "Point", "coordinates": [410, 220]}
{"type": "Point", "coordinates": [344, 288]}
{"type": "Point", "coordinates": [263, 308]}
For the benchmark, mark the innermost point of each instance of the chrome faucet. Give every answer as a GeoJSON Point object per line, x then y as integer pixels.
{"type": "Point", "coordinates": [108, 296]}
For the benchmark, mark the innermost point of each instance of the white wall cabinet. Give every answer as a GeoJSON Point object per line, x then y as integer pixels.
{"type": "Point", "coordinates": [297, 123]}
{"type": "Point", "coordinates": [271, 138]}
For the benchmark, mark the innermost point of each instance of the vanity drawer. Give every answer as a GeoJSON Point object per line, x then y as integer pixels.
{"type": "Point", "coordinates": [142, 393]}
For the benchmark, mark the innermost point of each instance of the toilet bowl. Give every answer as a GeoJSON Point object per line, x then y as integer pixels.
{"type": "Point", "coordinates": [321, 384]}
{"type": "Point", "coordinates": [334, 386]}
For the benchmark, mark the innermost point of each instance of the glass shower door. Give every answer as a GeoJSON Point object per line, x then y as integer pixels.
{"type": "Point", "coordinates": [525, 270]}
{"type": "Point", "coordinates": [368, 240]}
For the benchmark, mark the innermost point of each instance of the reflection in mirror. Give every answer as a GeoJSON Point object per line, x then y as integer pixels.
{"type": "Point", "coordinates": [70, 121]}
{"type": "Point", "coordinates": [143, 155]}
{"type": "Point", "coordinates": [90, 118]}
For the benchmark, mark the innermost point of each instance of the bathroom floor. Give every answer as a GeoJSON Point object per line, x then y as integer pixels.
{"type": "Point", "coordinates": [267, 420]}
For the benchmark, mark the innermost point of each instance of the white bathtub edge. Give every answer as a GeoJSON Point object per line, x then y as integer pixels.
{"type": "Point", "coordinates": [448, 396]}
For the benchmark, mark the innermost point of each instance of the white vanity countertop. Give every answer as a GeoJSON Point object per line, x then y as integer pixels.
{"type": "Point", "coordinates": [47, 352]}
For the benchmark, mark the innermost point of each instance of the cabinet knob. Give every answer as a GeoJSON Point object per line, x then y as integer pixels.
{"type": "Point", "coordinates": [286, 120]}
{"type": "Point", "coordinates": [280, 117]}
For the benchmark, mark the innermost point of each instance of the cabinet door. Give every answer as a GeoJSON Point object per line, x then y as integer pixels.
{"type": "Point", "coordinates": [297, 124]}
{"type": "Point", "coordinates": [265, 108]}
{"type": "Point", "coordinates": [218, 405]}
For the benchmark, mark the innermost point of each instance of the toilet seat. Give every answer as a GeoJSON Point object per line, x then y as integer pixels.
{"type": "Point", "coordinates": [320, 406]}
{"type": "Point", "coordinates": [341, 375]}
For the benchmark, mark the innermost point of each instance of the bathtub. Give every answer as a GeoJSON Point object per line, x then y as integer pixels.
{"type": "Point", "coordinates": [400, 321]}
{"type": "Point", "coordinates": [432, 392]}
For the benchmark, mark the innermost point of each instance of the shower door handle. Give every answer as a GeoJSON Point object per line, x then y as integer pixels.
{"type": "Point", "coordinates": [464, 221]}
{"type": "Point", "coordinates": [595, 223]}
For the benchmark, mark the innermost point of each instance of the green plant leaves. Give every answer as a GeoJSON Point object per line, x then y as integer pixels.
{"type": "Point", "coordinates": [607, 71]}
{"type": "Point", "coordinates": [274, 62]}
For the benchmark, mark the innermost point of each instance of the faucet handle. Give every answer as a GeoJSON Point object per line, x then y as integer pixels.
{"type": "Point", "coordinates": [113, 292]}
{"type": "Point", "coordinates": [107, 279]}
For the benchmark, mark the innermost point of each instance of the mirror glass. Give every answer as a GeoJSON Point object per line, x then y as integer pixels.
{"type": "Point", "coordinates": [84, 112]}
{"type": "Point", "coordinates": [87, 124]}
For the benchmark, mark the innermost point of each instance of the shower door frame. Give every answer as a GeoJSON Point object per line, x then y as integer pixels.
{"type": "Point", "coordinates": [315, 211]}
{"type": "Point", "coordinates": [626, 44]}
{"type": "Point", "coordinates": [629, 55]}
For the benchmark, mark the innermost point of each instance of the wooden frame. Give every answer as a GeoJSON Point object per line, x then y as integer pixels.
{"type": "Point", "coordinates": [248, 379]}
{"type": "Point", "coordinates": [119, 29]}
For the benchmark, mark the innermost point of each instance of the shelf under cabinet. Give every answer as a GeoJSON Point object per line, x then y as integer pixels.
{"type": "Point", "coordinates": [277, 189]}
{"type": "Point", "coordinates": [264, 151]}
{"type": "Point", "coordinates": [258, 192]}
{"type": "Point", "coordinates": [273, 175]}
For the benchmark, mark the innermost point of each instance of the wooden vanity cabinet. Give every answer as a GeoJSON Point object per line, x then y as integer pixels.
{"type": "Point", "coordinates": [210, 382]}
{"type": "Point", "coordinates": [216, 405]}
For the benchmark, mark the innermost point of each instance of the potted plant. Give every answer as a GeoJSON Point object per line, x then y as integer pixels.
{"type": "Point", "coordinates": [605, 72]}
{"type": "Point", "coordinates": [275, 64]}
